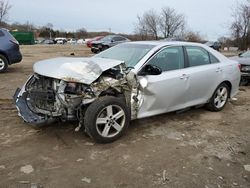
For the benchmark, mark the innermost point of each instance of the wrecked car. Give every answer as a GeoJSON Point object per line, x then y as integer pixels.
{"type": "Point", "coordinates": [244, 60]}
{"type": "Point", "coordinates": [129, 81]}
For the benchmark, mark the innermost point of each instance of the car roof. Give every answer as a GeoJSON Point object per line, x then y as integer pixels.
{"type": "Point", "coordinates": [166, 43]}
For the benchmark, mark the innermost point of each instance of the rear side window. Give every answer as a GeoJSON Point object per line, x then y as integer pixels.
{"type": "Point", "coordinates": [197, 56]}
{"type": "Point", "coordinates": [119, 38]}
{"type": "Point", "coordinates": [171, 58]}
{"type": "Point", "coordinates": [213, 59]}
{"type": "Point", "coordinates": [1, 33]}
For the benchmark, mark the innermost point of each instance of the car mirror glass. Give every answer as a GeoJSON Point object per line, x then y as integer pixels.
{"type": "Point", "coordinates": [152, 70]}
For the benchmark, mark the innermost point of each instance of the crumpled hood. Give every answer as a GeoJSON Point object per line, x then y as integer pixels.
{"type": "Point", "coordinates": [81, 70]}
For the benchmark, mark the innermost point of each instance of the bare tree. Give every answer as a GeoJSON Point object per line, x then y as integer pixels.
{"type": "Point", "coordinates": [192, 36]}
{"type": "Point", "coordinates": [171, 23]}
{"type": "Point", "coordinates": [4, 10]}
{"type": "Point", "coordinates": [81, 33]}
{"type": "Point", "coordinates": [140, 29]}
{"type": "Point", "coordinates": [148, 24]}
{"type": "Point", "coordinates": [151, 20]}
{"type": "Point", "coordinates": [240, 26]}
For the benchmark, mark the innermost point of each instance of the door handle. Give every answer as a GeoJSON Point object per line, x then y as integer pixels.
{"type": "Point", "coordinates": [218, 69]}
{"type": "Point", "coordinates": [184, 77]}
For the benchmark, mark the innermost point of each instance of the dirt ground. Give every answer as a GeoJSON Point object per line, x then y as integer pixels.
{"type": "Point", "coordinates": [196, 148]}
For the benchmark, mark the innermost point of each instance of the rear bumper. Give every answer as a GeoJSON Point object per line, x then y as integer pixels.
{"type": "Point", "coordinates": [245, 75]}
{"type": "Point", "coordinates": [15, 57]}
{"type": "Point", "coordinates": [95, 50]}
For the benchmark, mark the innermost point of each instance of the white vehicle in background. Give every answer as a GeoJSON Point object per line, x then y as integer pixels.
{"type": "Point", "coordinates": [132, 80]}
{"type": "Point", "coordinates": [72, 41]}
{"type": "Point", "coordinates": [60, 40]}
{"type": "Point", "coordinates": [81, 41]}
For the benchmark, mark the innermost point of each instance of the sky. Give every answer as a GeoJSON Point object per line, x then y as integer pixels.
{"type": "Point", "coordinates": [211, 18]}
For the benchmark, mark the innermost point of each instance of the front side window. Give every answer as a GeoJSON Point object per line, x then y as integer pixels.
{"type": "Point", "coordinates": [168, 59]}
{"type": "Point", "coordinates": [197, 56]}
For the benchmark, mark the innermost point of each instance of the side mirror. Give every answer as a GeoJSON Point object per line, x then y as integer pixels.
{"type": "Point", "coordinates": [151, 70]}
{"type": "Point", "coordinates": [240, 54]}
{"type": "Point", "coordinates": [112, 40]}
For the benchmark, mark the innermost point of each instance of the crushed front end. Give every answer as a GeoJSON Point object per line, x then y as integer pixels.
{"type": "Point", "coordinates": [43, 100]}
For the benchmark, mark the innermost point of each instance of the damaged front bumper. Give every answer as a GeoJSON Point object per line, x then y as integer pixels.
{"type": "Point", "coordinates": [24, 111]}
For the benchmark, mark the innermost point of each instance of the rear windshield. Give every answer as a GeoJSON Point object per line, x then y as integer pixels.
{"type": "Point", "coordinates": [1, 33]}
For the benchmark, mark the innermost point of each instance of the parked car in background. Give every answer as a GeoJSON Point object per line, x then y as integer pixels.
{"type": "Point", "coordinates": [72, 41]}
{"type": "Point", "coordinates": [81, 41]}
{"type": "Point", "coordinates": [48, 41]}
{"type": "Point", "coordinates": [89, 43]}
{"type": "Point", "coordinates": [60, 40]}
{"type": "Point", "coordinates": [107, 42]}
{"type": "Point", "coordinates": [9, 50]}
{"type": "Point", "coordinates": [129, 81]}
{"type": "Point", "coordinates": [214, 45]}
{"type": "Point", "coordinates": [244, 60]}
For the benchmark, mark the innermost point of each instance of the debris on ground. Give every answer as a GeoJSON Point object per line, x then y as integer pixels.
{"type": "Point", "coordinates": [27, 169]}
{"type": "Point", "coordinates": [247, 167]}
{"type": "Point", "coordinates": [86, 180]}
{"type": "Point", "coordinates": [79, 160]}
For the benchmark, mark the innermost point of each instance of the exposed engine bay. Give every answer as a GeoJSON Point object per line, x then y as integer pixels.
{"type": "Point", "coordinates": [43, 99]}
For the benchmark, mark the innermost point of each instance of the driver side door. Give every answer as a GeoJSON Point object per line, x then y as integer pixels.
{"type": "Point", "coordinates": [165, 92]}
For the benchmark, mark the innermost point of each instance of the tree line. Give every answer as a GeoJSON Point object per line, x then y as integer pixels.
{"type": "Point", "coordinates": [151, 25]}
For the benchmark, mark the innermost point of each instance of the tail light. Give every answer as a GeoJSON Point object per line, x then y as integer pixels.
{"type": "Point", "coordinates": [14, 41]}
{"type": "Point", "coordinates": [239, 66]}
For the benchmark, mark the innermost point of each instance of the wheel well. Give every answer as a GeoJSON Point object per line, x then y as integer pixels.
{"type": "Point", "coordinates": [229, 86]}
{"type": "Point", "coordinates": [111, 92]}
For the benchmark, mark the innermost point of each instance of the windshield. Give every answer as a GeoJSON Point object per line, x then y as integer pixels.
{"type": "Point", "coordinates": [130, 53]}
{"type": "Point", "coordinates": [246, 54]}
{"type": "Point", "coordinates": [106, 39]}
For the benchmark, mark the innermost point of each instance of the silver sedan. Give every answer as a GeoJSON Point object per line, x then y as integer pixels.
{"type": "Point", "coordinates": [129, 81]}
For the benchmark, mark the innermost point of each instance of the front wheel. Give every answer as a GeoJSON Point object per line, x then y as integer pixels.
{"type": "Point", "coordinates": [3, 63]}
{"type": "Point", "coordinates": [219, 99]}
{"type": "Point", "coordinates": [107, 119]}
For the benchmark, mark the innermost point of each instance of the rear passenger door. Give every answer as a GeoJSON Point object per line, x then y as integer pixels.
{"type": "Point", "coordinates": [204, 74]}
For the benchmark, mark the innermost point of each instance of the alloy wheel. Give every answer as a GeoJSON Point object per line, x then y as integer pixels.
{"type": "Point", "coordinates": [110, 121]}
{"type": "Point", "coordinates": [221, 96]}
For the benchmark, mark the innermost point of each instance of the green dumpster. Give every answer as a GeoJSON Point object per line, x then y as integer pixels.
{"type": "Point", "coordinates": [24, 37]}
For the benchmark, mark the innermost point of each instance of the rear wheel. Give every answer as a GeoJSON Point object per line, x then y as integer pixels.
{"type": "Point", "coordinates": [244, 82]}
{"type": "Point", "coordinates": [104, 48]}
{"type": "Point", "coordinates": [3, 63]}
{"type": "Point", "coordinates": [219, 98]}
{"type": "Point", "coordinates": [107, 119]}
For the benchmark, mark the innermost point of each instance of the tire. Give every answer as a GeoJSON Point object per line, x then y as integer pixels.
{"type": "Point", "coordinates": [113, 116]}
{"type": "Point", "coordinates": [219, 99]}
{"type": "Point", "coordinates": [105, 48]}
{"type": "Point", "coordinates": [244, 82]}
{"type": "Point", "coordinates": [3, 63]}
